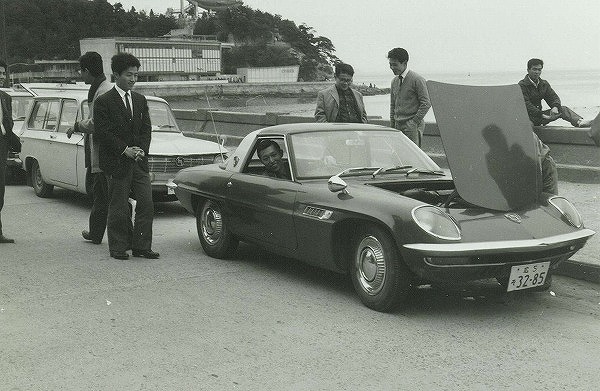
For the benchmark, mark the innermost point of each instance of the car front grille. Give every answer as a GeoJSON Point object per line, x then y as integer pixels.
{"type": "Point", "coordinates": [172, 164]}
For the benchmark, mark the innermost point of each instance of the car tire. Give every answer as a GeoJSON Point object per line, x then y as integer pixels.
{"type": "Point", "coordinates": [215, 237]}
{"type": "Point", "coordinates": [41, 188]}
{"type": "Point", "coordinates": [380, 277]}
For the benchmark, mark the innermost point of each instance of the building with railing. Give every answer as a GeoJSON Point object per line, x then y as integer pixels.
{"type": "Point", "coordinates": [163, 58]}
{"type": "Point", "coordinates": [44, 71]}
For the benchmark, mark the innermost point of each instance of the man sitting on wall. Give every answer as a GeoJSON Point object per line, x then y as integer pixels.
{"type": "Point", "coordinates": [535, 89]}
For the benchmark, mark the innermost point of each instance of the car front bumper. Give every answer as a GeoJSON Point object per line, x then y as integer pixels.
{"type": "Point", "coordinates": [453, 262]}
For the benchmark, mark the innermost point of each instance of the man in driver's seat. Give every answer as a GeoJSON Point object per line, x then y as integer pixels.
{"type": "Point", "coordinates": [271, 155]}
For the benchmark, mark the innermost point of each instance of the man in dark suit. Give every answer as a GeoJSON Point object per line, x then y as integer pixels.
{"type": "Point", "coordinates": [6, 125]}
{"type": "Point", "coordinates": [123, 130]}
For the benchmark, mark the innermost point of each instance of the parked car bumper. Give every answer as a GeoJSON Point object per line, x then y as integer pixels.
{"type": "Point", "coordinates": [454, 262]}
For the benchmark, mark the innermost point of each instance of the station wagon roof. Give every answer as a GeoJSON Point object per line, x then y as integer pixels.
{"type": "Point", "coordinates": [80, 95]}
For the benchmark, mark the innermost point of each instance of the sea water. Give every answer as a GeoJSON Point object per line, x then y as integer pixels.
{"type": "Point", "coordinates": [577, 89]}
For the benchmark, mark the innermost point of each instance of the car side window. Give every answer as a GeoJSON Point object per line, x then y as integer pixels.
{"type": "Point", "coordinates": [68, 116]}
{"type": "Point", "coordinates": [254, 166]}
{"type": "Point", "coordinates": [44, 115]}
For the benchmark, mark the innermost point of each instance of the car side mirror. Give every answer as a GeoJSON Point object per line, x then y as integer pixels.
{"type": "Point", "coordinates": [336, 184]}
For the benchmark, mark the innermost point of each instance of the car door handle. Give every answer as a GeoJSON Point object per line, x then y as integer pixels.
{"type": "Point", "coordinates": [229, 184]}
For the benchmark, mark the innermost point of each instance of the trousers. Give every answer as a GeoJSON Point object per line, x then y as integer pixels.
{"type": "Point", "coordinates": [120, 237]}
{"type": "Point", "coordinates": [3, 156]}
{"type": "Point", "coordinates": [99, 213]}
{"type": "Point", "coordinates": [414, 131]}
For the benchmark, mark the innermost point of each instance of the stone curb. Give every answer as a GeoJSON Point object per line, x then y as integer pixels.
{"type": "Point", "coordinates": [579, 271]}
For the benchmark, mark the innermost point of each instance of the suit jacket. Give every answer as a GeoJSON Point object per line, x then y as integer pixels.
{"type": "Point", "coordinates": [328, 105]}
{"type": "Point", "coordinates": [7, 120]}
{"type": "Point", "coordinates": [116, 130]}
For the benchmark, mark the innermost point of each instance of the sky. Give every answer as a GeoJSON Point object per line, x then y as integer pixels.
{"type": "Point", "coordinates": [443, 35]}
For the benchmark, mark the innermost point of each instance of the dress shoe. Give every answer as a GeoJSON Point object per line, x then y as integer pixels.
{"type": "Point", "coordinates": [119, 255]}
{"type": "Point", "coordinates": [86, 235]}
{"type": "Point", "coordinates": [145, 254]}
{"type": "Point", "coordinates": [4, 239]}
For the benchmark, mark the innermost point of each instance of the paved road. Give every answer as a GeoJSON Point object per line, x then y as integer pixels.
{"type": "Point", "coordinates": [72, 318]}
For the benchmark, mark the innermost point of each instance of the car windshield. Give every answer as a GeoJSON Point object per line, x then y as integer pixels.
{"type": "Point", "coordinates": [327, 153]}
{"type": "Point", "coordinates": [161, 117]}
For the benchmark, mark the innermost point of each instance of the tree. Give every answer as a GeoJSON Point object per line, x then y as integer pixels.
{"type": "Point", "coordinates": [256, 32]}
{"type": "Point", "coordinates": [51, 29]}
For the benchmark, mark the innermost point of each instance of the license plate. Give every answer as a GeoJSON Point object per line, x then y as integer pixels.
{"type": "Point", "coordinates": [527, 276]}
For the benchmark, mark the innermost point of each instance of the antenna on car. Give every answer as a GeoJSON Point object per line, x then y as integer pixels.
{"type": "Point", "coordinates": [215, 127]}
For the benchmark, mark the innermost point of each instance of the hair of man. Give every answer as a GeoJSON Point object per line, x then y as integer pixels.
{"type": "Point", "coordinates": [123, 61]}
{"type": "Point", "coordinates": [91, 61]}
{"type": "Point", "coordinates": [344, 68]}
{"type": "Point", "coordinates": [398, 54]}
{"type": "Point", "coordinates": [533, 62]}
{"type": "Point", "coordinates": [266, 143]}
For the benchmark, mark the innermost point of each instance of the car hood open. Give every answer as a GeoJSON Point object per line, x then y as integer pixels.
{"type": "Point", "coordinates": [489, 144]}
{"type": "Point", "coordinates": [171, 143]}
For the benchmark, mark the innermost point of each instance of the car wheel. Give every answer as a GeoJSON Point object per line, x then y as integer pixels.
{"type": "Point", "coordinates": [379, 276]}
{"type": "Point", "coordinates": [41, 188]}
{"type": "Point", "coordinates": [216, 239]}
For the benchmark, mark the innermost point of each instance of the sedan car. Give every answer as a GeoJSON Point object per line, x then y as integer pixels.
{"type": "Point", "coordinates": [364, 200]}
{"type": "Point", "coordinates": [53, 159]}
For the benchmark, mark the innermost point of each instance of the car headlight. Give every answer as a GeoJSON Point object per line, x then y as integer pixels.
{"type": "Point", "coordinates": [436, 222]}
{"type": "Point", "coordinates": [566, 208]}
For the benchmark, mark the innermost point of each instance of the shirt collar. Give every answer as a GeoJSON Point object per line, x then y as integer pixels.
{"type": "Point", "coordinates": [534, 83]}
{"type": "Point", "coordinates": [121, 92]}
{"type": "Point", "coordinates": [403, 74]}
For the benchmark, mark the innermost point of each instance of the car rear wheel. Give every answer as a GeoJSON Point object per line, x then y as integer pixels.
{"type": "Point", "coordinates": [380, 277]}
{"type": "Point", "coordinates": [41, 188]}
{"type": "Point", "coordinates": [215, 237]}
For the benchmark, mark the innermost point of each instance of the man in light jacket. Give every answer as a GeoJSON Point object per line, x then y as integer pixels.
{"type": "Point", "coordinates": [93, 74]}
{"type": "Point", "coordinates": [340, 102]}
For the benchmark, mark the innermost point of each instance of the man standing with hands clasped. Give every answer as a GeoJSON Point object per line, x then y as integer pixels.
{"type": "Point", "coordinates": [123, 129]}
{"type": "Point", "coordinates": [409, 99]}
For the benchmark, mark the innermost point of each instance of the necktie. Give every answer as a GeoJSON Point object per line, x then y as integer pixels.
{"type": "Point", "coordinates": [400, 79]}
{"type": "Point", "coordinates": [128, 104]}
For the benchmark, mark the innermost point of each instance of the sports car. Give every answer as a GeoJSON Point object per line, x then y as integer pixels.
{"type": "Point", "coordinates": [364, 200]}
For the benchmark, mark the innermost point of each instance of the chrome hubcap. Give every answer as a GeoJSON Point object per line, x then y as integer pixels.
{"type": "Point", "coordinates": [212, 224]}
{"type": "Point", "coordinates": [370, 265]}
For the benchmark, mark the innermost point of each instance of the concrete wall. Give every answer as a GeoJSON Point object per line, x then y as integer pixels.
{"type": "Point", "coordinates": [188, 89]}
{"type": "Point", "coordinates": [578, 158]}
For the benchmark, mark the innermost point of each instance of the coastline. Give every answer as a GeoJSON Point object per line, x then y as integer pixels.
{"type": "Point", "coordinates": [193, 90]}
